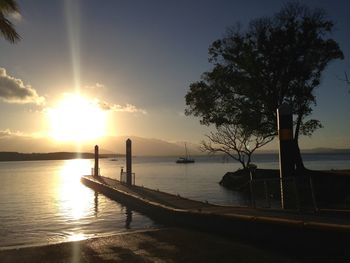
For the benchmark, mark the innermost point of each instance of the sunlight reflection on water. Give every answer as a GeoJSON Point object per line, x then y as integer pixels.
{"type": "Point", "coordinates": [44, 202]}
{"type": "Point", "coordinates": [76, 237]}
{"type": "Point", "coordinates": [73, 196]}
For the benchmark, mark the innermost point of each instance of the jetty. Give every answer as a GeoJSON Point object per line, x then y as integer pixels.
{"type": "Point", "coordinates": [288, 229]}
{"type": "Point", "coordinates": [243, 222]}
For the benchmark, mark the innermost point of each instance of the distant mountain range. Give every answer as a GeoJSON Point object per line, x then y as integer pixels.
{"type": "Point", "coordinates": [309, 151]}
{"type": "Point", "coordinates": [112, 145]}
{"type": "Point", "coordinates": [16, 156]}
{"type": "Point", "coordinates": [108, 145]}
{"type": "Point", "coordinates": [326, 150]}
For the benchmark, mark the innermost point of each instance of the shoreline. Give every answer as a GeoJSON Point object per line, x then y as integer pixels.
{"type": "Point", "coordinates": [148, 245]}
{"type": "Point", "coordinates": [173, 245]}
{"type": "Point", "coordinates": [54, 243]}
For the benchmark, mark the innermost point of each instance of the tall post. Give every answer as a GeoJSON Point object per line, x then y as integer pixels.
{"type": "Point", "coordinates": [128, 162]}
{"type": "Point", "coordinates": [96, 168]}
{"type": "Point", "coordinates": [286, 158]}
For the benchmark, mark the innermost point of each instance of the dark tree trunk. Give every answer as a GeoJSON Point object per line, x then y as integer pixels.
{"type": "Point", "coordinates": [297, 155]}
{"type": "Point", "coordinates": [299, 164]}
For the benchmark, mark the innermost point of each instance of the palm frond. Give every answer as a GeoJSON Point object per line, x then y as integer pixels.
{"type": "Point", "coordinates": [8, 6]}
{"type": "Point", "coordinates": [7, 30]}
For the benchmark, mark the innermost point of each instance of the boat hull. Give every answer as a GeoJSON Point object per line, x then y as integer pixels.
{"type": "Point", "coordinates": [185, 161]}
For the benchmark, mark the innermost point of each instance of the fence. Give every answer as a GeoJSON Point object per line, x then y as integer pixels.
{"type": "Point", "coordinates": [297, 193]}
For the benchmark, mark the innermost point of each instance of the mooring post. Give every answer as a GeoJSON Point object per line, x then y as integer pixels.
{"type": "Point", "coordinates": [121, 173]}
{"type": "Point", "coordinates": [128, 162]}
{"type": "Point", "coordinates": [252, 168]}
{"type": "Point", "coordinates": [96, 162]}
{"type": "Point", "coordinates": [285, 134]}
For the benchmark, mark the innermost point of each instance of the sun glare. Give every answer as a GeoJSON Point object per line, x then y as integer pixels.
{"type": "Point", "coordinates": [77, 118]}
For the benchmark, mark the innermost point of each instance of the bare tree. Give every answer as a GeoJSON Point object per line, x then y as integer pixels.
{"type": "Point", "coordinates": [236, 142]}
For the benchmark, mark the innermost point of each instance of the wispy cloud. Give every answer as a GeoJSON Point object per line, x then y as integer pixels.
{"type": "Point", "coordinates": [13, 90]}
{"type": "Point", "coordinates": [120, 108]}
{"type": "Point", "coordinates": [9, 133]}
{"type": "Point", "coordinates": [96, 87]}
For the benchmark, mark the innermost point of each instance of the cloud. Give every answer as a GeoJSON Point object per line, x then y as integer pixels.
{"type": "Point", "coordinates": [97, 86]}
{"type": "Point", "coordinates": [120, 108]}
{"type": "Point", "coordinates": [9, 133]}
{"type": "Point", "coordinates": [13, 90]}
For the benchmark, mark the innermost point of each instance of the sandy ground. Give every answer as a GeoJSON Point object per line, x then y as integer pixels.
{"type": "Point", "coordinates": [161, 245]}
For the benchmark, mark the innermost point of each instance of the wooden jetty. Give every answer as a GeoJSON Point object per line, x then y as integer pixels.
{"type": "Point", "coordinates": [243, 222]}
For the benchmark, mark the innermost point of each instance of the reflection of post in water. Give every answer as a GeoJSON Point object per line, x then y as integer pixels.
{"type": "Point", "coordinates": [128, 218]}
{"type": "Point", "coordinates": [96, 203]}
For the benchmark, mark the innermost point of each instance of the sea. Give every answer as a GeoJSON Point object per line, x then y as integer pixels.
{"type": "Point", "coordinates": [44, 202]}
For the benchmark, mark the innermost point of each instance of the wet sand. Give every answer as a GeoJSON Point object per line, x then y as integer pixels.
{"type": "Point", "coordinates": [160, 245]}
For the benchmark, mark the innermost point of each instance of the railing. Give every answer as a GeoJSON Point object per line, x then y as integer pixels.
{"type": "Point", "coordinates": [299, 193]}
{"type": "Point", "coordinates": [266, 193]}
{"type": "Point", "coordinates": [123, 178]}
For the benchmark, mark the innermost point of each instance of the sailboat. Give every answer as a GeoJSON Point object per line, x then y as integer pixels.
{"type": "Point", "coordinates": [185, 159]}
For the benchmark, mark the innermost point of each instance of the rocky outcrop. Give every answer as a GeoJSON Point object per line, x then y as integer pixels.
{"type": "Point", "coordinates": [239, 180]}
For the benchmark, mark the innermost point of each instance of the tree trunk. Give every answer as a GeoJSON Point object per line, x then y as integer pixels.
{"type": "Point", "coordinates": [243, 164]}
{"type": "Point", "coordinates": [297, 155]}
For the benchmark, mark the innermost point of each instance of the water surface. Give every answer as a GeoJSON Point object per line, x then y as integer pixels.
{"type": "Point", "coordinates": [44, 202]}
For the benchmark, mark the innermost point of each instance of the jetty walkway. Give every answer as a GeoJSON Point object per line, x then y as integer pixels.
{"type": "Point", "coordinates": [180, 210]}
{"type": "Point", "coordinates": [289, 232]}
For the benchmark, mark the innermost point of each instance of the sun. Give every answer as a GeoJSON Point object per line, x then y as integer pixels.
{"type": "Point", "coordinates": [77, 118]}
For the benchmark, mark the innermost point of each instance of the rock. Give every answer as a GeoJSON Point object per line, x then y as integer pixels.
{"type": "Point", "coordinates": [239, 180]}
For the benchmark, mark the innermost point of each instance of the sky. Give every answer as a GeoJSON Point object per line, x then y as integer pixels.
{"type": "Point", "coordinates": [136, 60]}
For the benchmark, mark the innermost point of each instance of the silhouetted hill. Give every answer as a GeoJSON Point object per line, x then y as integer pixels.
{"type": "Point", "coordinates": [149, 146]}
{"type": "Point", "coordinates": [112, 144]}
{"type": "Point", "coordinates": [16, 156]}
{"type": "Point", "coordinates": [116, 144]}
{"type": "Point", "coordinates": [309, 151]}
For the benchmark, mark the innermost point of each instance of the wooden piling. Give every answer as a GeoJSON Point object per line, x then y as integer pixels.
{"type": "Point", "coordinates": [96, 167]}
{"type": "Point", "coordinates": [128, 162]}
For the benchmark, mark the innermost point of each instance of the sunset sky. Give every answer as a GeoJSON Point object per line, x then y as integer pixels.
{"type": "Point", "coordinates": [134, 61]}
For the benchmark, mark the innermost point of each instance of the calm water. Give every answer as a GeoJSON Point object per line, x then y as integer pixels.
{"type": "Point", "coordinates": [44, 202]}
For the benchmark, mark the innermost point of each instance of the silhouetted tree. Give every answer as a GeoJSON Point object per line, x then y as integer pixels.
{"type": "Point", "coordinates": [237, 142]}
{"type": "Point", "coordinates": [6, 27]}
{"type": "Point", "coordinates": [277, 59]}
